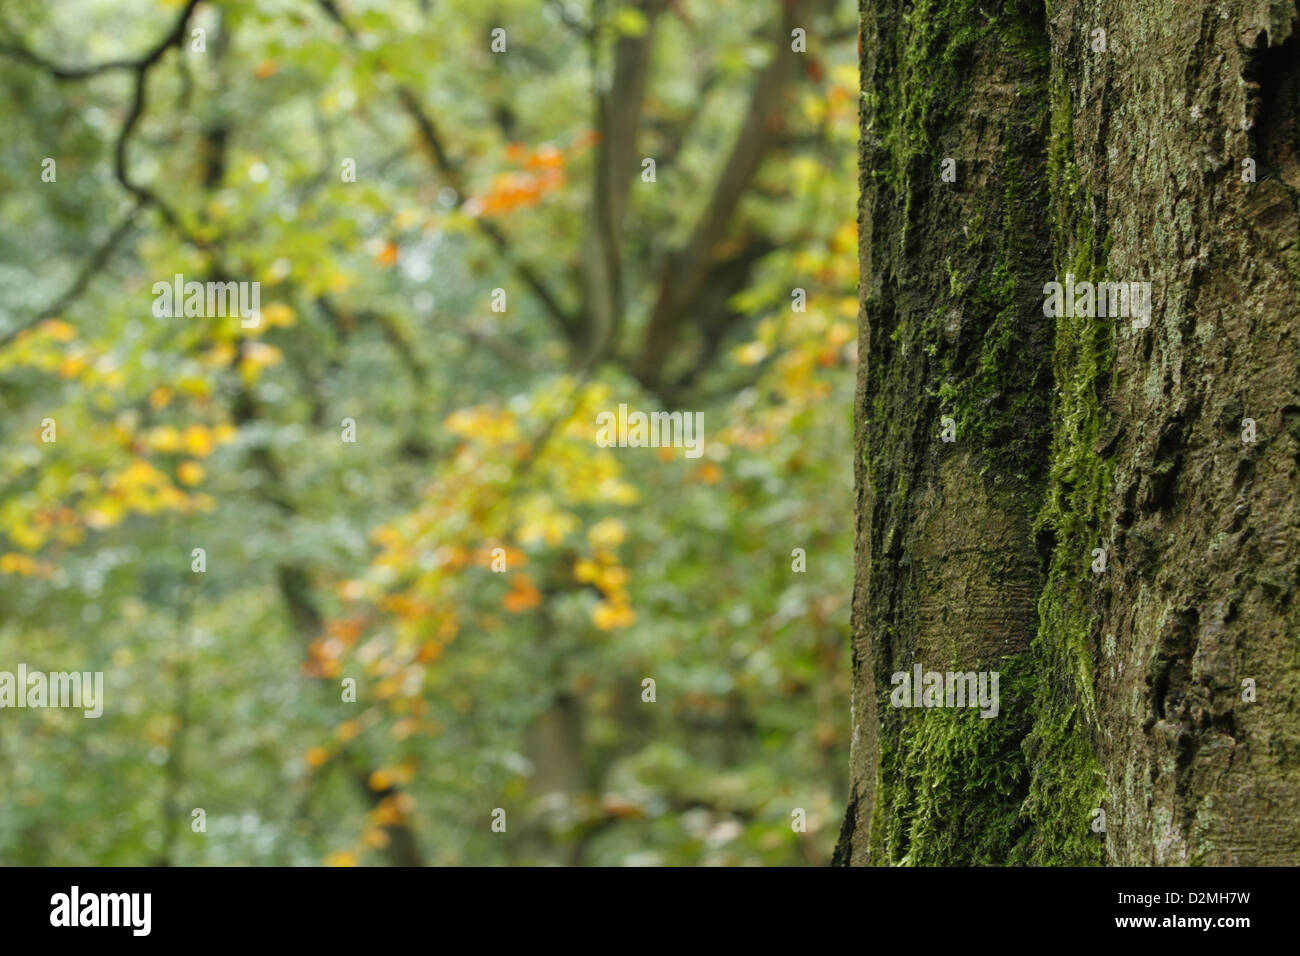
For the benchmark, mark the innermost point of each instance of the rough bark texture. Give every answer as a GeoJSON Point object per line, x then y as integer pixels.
{"type": "Point", "coordinates": [1120, 690]}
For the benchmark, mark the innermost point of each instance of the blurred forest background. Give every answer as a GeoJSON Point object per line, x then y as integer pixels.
{"type": "Point", "coordinates": [222, 155]}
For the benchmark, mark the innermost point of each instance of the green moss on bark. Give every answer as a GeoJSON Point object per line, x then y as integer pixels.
{"type": "Point", "coordinates": [1066, 779]}
{"type": "Point", "coordinates": [954, 781]}
{"type": "Point", "coordinates": [955, 330]}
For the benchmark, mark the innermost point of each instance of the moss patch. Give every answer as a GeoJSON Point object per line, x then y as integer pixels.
{"type": "Point", "coordinates": [952, 781]}
{"type": "Point", "coordinates": [1066, 779]}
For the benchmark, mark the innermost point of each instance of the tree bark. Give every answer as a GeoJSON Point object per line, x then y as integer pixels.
{"type": "Point", "coordinates": [1148, 711]}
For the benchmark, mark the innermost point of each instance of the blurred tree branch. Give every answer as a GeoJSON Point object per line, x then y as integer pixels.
{"type": "Point", "coordinates": [93, 265]}
{"type": "Point", "coordinates": [135, 65]}
{"type": "Point", "coordinates": [617, 120]}
{"type": "Point", "coordinates": [686, 269]}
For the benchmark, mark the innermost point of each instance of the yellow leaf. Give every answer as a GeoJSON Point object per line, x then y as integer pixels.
{"type": "Point", "coordinates": [257, 355]}
{"type": "Point", "coordinates": [404, 728]}
{"type": "Point", "coordinates": [165, 439]}
{"type": "Point", "coordinates": [219, 356]}
{"type": "Point", "coordinates": [59, 330]}
{"type": "Point", "coordinates": [139, 474]}
{"type": "Point", "coordinates": [606, 534]}
{"type": "Point", "coordinates": [72, 366]}
{"type": "Point", "coordinates": [279, 314]}
{"type": "Point", "coordinates": [607, 616]}
{"type": "Point", "coordinates": [189, 472]}
{"type": "Point", "coordinates": [14, 563]}
{"type": "Point", "coordinates": [193, 385]}
{"type": "Point", "coordinates": [841, 333]}
{"type": "Point", "coordinates": [262, 354]}
{"type": "Point", "coordinates": [107, 514]}
{"type": "Point", "coordinates": [612, 579]}
{"type": "Point", "coordinates": [198, 441]}
{"type": "Point", "coordinates": [751, 354]}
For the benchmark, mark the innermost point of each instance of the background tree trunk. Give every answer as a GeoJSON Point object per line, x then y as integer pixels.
{"type": "Point", "coordinates": [1104, 139]}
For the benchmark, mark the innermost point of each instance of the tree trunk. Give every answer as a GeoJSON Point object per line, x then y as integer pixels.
{"type": "Point", "coordinates": [1148, 705]}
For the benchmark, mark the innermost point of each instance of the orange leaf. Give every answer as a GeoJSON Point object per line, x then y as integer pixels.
{"type": "Point", "coordinates": [522, 595]}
